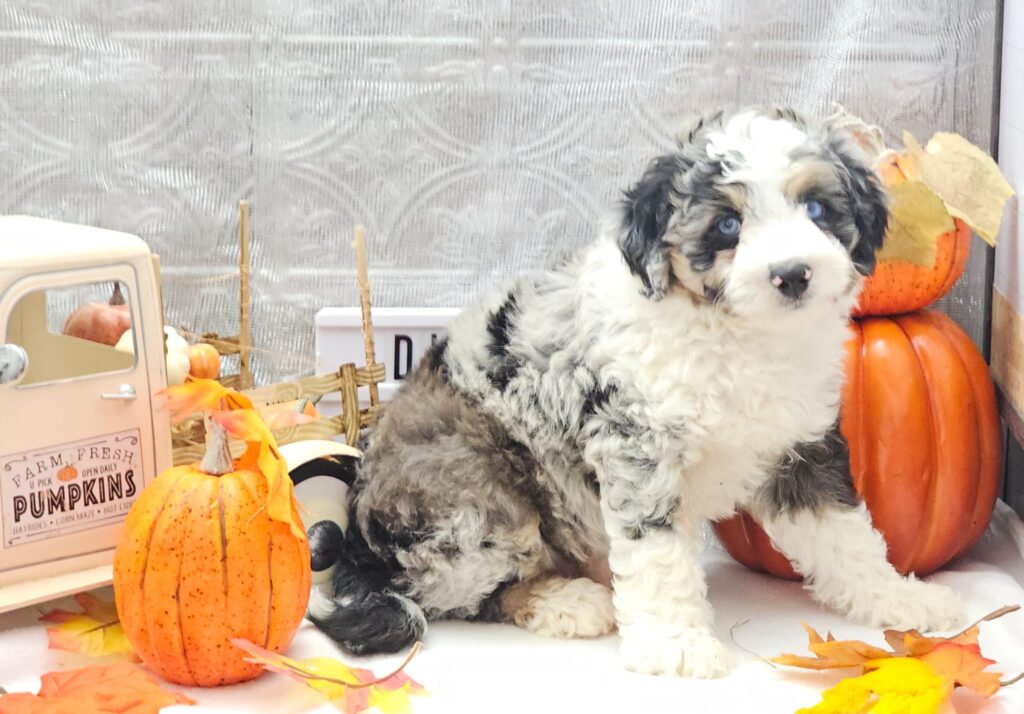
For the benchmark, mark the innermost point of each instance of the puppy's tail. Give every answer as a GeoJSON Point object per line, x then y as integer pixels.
{"type": "Point", "coordinates": [365, 615]}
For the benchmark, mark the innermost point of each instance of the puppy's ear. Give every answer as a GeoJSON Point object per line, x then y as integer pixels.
{"type": "Point", "coordinates": [868, 203]}
{"type": "Point", "coordinates": [871, 215]}
{"type": "Point", "coordinates": [646, 210]}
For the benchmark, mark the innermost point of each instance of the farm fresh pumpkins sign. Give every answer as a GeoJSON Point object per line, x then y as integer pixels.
{"type": "Point", "coordinates": [70, 487]}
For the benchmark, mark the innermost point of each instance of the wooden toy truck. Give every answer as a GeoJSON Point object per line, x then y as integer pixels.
{"type": "Point", "coordinates": [79, 437]}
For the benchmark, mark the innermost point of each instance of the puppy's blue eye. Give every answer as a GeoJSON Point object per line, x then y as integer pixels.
{"type": "Point", "coordinates": [814, 209]}
{"type": "Point", "coordinates": [729, 226]}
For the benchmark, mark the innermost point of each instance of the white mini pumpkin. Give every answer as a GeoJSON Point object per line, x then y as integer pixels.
{"type": "Point", "coordinates": [177, 353]}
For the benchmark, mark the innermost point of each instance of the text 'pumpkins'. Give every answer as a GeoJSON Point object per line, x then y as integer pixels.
{"type": "Point", "coordinates": [213, 551]}
{"type": "Point", "coordinates": [919, 413]}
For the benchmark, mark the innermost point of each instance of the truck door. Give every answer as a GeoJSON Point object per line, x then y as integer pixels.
{"type": "Point", "coordinates": [76, 421]}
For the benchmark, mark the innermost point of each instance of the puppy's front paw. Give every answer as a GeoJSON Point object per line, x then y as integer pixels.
{"type": "Point", "coordinates": [695, 653]}
{"type": "Point", "coordinates": [911, 603]}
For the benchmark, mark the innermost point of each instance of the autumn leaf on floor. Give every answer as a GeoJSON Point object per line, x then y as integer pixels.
{"type": "Point", "coordinates": [831, 653]}
{"type": "Point", "coordinates": [99, 689]}
{"type": "Point", "coordinates": [915, 644]}
{"type": "Point", "coordinates": [350, 689]}
{"type": "Point", "coordinates": [963, 664]}
{"type": "Point", "coordinates": [913, 669]}
{"type": "Point", "coordinates": [901, 685]}
{"type": "Point", "coordinates": [96, 631]}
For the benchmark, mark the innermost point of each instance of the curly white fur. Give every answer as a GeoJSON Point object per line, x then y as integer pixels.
{"type": "Point", "coordinates": [843, 557]}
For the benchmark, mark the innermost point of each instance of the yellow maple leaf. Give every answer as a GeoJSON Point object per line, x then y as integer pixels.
{"type": "Point", "coordinates": [351, 689]}
{"type": "Point", "coordinates": [96, 631]}
{"type": "Point", "coordinates": [917, 219]}
{"type": "Point", "coordinates": [896, 685]}
{"type": "Point", "coordinates": [964, 177]}
{"type": "Point", "coordinates": [391, 701]}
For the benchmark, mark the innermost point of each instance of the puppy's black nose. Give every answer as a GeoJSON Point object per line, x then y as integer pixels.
{"type": "Point", "coordinates": [791, 279]}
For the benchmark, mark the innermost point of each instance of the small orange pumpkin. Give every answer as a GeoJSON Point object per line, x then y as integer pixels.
{"type": "Point", "coordinates": [201, 561]}
{"type": "Point", "coordinates": [100, 322]}
{"type": "Point", "coordinates": [919, 413]}
{"type": "Point", "coordinates": [67, 473]}
{"type": "Point", "coordinates": [204, 361]}
{"type": "Point", "coordinates": [897, 286]}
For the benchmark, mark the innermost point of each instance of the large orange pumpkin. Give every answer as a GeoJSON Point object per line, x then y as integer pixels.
{"type": "Point", "coordinates": [919, 414]}
{"type": "Point", "coordinates": [100, 322]}
{"type": "Point", "coordinates": [199, 562]}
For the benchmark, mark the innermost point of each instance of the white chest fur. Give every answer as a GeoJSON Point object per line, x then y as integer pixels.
{"type": "Point", "coordinates": [742, 392]}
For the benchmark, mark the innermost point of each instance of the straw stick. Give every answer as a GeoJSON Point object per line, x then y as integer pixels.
{"type": "Point", "coordinates": [363, 278]}
{"type": "Point", "coordinates": [244, 334]}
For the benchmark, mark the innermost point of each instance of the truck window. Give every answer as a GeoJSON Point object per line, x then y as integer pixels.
{"type": "Point", "coordinates": [73, 331]}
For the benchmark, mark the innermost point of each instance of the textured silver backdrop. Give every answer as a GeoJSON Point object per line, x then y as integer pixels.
{"type": "Point", "coordinates": [472, 138]}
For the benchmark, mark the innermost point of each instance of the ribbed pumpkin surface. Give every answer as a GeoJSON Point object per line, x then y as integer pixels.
{"type": "Point", "coordinates": [920, 416]}
{"type": "Point", "coordinates": [199, 563]}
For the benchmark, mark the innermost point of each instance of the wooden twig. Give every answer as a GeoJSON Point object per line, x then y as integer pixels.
{"type": "Point", "coordinates": [244, 334]}
{"type": "Point", "coordinates": [995, 614]}
{"type": "Point", "coordinates": [304, 674]}
{"type": "Point", "coordinates": [363, 278]}
{"type": "Point", "coordinates": [732, 636]}
{"type": "Point", "coordinates": [1008, 682]}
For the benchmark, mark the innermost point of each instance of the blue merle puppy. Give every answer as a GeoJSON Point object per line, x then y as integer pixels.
{"type": "Point", "coordinates": [591, 417]}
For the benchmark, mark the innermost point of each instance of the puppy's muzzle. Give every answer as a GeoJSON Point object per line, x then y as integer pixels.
{"type": "Point", "coordinates": [791, 278]}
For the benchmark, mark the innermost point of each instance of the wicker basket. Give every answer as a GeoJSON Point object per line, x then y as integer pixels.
{"type": "Point", "coordinates": [189, 436]}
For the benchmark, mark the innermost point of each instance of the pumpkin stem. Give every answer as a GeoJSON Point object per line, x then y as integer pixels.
{"type": "Point", "coordinates": [117, 298]}
{"type": "Point", "coordinates": [217, 460]}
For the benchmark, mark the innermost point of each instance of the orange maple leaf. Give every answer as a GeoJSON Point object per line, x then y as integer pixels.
{"type": "Point", "coordinates": [832, 653]}
{"type": "Point", "coordinates": [351, 689]}
{"type": "Point", "coordinates": [263, 455]}
{"type": "Point", "coordinates": [234, 411]}
{"type": "Point", "coordinates": [198, 395]}
{"type": "Point", "coordinates": [100, 689]}
{"type": "Point", "coordinates": [964, 664]}
{"type": "Point", "coordinates": [96, 631]}
{"type": "Point", "coordinates": [286, 414]}
{"type": "Point", "coordinates": [955, 661]}
{"type": "Point", "coordinates": [914, 644]}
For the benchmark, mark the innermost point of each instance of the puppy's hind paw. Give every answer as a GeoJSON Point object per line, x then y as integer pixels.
{"type": "Point", "coordinates": [695, 653]}
{"type": "Point", "coordinates": [911, 603]}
